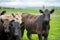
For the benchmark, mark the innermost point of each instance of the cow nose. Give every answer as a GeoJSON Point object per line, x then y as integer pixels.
{"type": "Point", "coordinates": [6, 30]}
{"type": "Point", "coordinates": [46, 19]}
{"type": "Point", "coordinates": [16, 33]}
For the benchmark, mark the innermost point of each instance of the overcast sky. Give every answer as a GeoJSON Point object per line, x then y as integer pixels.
{"type": "Point", "coordinates": [29, 3]}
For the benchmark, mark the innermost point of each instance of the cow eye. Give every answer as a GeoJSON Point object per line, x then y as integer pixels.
{"type": "Point", "coordinates": [11, 24]}
{"type": "Point", "coordinates": [9, 27]}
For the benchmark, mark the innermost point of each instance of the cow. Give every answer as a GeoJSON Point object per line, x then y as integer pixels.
{"type": "Point", "coordinates": [12, 26]}
{"type": "Point", "coordinates": [1, 27]}
{"type": "Point", "coordinates": [37, 24]}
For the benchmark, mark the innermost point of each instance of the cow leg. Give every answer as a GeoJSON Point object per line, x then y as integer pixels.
{"type": "Point", "coordinates": [39, 31]}
{"type": "Point", "coordinates": [28, 35]}
{"type": "Point", "coordinates": [46, 32]}
{"type": "Point", "coordinates": [22, 31]}
{"type": "Point", "coordinates": [46, 37]}
{"type": "Point", "coordinates": [40, 36]}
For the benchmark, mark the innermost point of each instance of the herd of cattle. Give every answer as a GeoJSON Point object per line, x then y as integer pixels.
{"type": "Point", "coordinates": [12, 26]}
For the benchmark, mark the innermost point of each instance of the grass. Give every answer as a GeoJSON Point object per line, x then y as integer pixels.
{"type": "Point", "coordinates": [9, 11]}
{"type": "Point", "coordinates": [54, 33]}
{"type": "Point", "coordinates": [34, 11]}
{"type": "Point", "coordinates": [55, 28]}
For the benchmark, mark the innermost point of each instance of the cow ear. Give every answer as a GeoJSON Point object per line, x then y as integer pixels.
{"type": "Point", "coordinates": [13, 15]}
{"type": "Point", "coordinates": [3, 12]}
{"type": "Point", "coordinates": [40, 11]}
{"type": "Point", "coordinates": [52, 11]}
{"type": "Point", "coordinates": [11, 22]}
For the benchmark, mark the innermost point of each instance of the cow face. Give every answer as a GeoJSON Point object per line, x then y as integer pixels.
{"type": "Point", "coordinates": [5, 25]}
{"type": "Point", "coordinates": [46, 14]}
{"type": "Point", "coordinates": [15, 27]}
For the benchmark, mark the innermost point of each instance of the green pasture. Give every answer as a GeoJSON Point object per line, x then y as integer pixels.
{"type": "Point", "coordinates": [54, 33]}
{"type": "Point", "coordinates": [34, 11]}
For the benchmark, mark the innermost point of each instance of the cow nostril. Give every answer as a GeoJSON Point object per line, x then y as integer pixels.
{"type": "Point", "coordinates": [6, 30]}
{"type": "Point", "coordinates": [16, 34]}
{"type": "Point", "coordinates": [46, 19]}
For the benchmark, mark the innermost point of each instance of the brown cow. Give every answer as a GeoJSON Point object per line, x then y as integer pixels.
{"type": "Point", "coordinates": [4, 20]}
{"type": "Point", "coordinates": [37, 24]}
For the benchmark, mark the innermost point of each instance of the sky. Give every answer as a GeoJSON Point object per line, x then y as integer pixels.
{"type": "Point", "coordinates": [29, 3]}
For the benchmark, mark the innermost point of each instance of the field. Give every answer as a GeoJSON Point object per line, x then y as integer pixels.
{"type": "Point", "coordinates": [54, 33]}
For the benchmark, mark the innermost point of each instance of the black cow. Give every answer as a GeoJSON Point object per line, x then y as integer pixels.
{"type": "Point", "coordinates": [37, 24]}
{"type": "Point", "coordinates": [15, 30]}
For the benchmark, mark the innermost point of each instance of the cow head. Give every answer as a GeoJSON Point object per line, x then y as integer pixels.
{"type": "Point", "coordinates": [15, 25]}
{"type": "Point", "coordinates": [46, 14]}
{"type": "Point", "coordinates": [5, 24]}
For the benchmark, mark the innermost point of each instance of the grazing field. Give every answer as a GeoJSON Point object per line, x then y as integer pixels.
{"type": "Point", "coordinates": [54, 33]}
